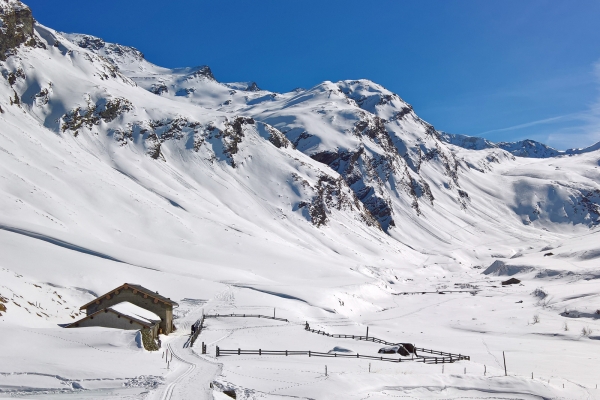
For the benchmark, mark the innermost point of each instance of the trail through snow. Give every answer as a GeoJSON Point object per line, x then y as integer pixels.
{"type": "Point", "coordinates": [191, 373]}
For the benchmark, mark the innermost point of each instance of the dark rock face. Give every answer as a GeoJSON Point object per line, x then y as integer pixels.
{"type": "Point", "coordinates": [107, 49]}
{"type": "Point", "coordinates": [231, 136]}
{"type": "Point", "coordinates": [366, 172]}
{"type": "Point", "coordinates": [402, 113]}
{"type": "Point", "coordinates": [159, 89]}
{"type": "Point", "coordinates": [591, 203]}
{"type": "Point", "coordinates": [277, 138]}
{"type": "Point", "coordinates": [105, 110]}
{"type": "Point", "coordinates": [12, 77]}
{"type": "Point", "coordinates": [331, 193]}
{"type": "Point", "coordinates": [91, 42]}
{"type": "Point", "coordinates": [203, 71]}
{"type": "Point", "coordinates": [253, 87]}
{"type": "Point", "coordinates": [16, 28]}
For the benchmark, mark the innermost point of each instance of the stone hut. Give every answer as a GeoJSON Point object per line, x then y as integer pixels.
{"type": "Point", "coordinates": [124, 315]}
{"type": "Point", "coordinates": [139, 296]}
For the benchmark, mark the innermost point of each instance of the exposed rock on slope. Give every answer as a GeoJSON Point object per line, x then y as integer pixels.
{"type": "Point", "coordinates": [16, 27]}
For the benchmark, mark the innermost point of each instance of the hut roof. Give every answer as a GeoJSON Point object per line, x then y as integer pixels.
{"type": "Point", "coordinates": [130, 310]}
{"type": "Point", "coordinates": [146, 323]}
{"type": "Point", "coordinates": [133, 286]}
{"type": "Point", "coordinates": [511, 281]}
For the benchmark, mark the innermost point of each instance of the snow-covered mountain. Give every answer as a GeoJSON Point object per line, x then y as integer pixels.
{"type": "Point", "coordinates": [522, 148]}
{"type": "Point", "coordinates": [325, 202]}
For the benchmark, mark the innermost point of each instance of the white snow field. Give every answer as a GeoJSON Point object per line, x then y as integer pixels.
{"type": "Point", "coordinates": [335, 205]}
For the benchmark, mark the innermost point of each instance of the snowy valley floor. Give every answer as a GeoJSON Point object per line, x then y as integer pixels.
{"type": "Point", "coordinates": [46, 361]}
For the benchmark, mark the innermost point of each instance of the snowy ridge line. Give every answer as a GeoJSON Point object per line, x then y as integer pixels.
{"type": "Point", "coordinates": [381, 341]}
{"type": "Point", "coordinates": [425, 360]}
{"type": "Point", "coordinates": [245, 316]}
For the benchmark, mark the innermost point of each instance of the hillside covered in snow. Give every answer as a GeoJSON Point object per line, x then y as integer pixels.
{"type": "Point", "coordinates": [329, 204]}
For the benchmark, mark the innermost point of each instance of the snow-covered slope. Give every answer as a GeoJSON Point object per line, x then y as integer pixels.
{"type": "Point", "coordinates": [324, 202]}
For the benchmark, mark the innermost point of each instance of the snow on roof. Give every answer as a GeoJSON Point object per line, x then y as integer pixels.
{"type": "Point", "coordinates": [131, 310]}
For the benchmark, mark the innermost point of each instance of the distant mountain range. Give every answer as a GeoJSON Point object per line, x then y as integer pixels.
{"type": "Point", "coordinates": [522, 148]}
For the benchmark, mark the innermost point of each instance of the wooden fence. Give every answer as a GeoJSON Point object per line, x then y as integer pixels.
{"type": "Point", "coordinates": [198, 328]}
{"type": "Point", "coordinates": [472, 291]}
{"type": "Point", "coordinates": [426, 360]}
{"type": "Point", "coordinates": [444, 356]}
{"type": "Point", "coordinates": [381, 341]}
{"type": "Point", "coordinates": [245, 316]}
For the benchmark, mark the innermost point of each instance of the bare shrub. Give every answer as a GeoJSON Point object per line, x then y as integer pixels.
{"type": "Point", "coordinates": [586, 331]}
{"type": "Point", "coordinates": [565, 327]}
{"type": "Point", "coordinates": [536, 319]}
{"type": "Point", "coordinates": [540, 293]}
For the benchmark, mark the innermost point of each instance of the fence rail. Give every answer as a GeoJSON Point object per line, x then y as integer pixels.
{"type": "Point", "coordinates": [381, 341]}
{"type": "Point", "coordinates": [439, 292]}
{"type": "Point", "coordinates": [245, 316]}
{"type": "Point", "coordinates": [426, 360]}
{"type": "Point", "coordinates": [198, 328]}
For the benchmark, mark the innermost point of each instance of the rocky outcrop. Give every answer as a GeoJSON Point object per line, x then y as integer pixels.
{"type": "Point", "coordinates": [202, 71]}
{"type": "Point", "coordinates": [110, 51]}
{"type": "Point", "coordinates": [159, 88]}
{"type": "Point", "coordinates": [104, 110]}
{"type": "Point", "coordinates": [16, 27]}
{"type": "Point", "coordinates": [333, 194]}
{"type": "Point", "coordinates": [277, 138]}
{"type": "Point", "coordinates": [230, 137]}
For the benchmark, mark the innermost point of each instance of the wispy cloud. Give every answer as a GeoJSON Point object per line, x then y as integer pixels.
{"type": "Point", "coordinates": [529, 124]}
{"type": "Point", "coordinates": [587, 132]}
{"type": "Point", "coordinates": [580, 129]}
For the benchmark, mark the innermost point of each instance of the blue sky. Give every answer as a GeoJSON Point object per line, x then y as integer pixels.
{"type": "Point", "coordinates": [505, 70]}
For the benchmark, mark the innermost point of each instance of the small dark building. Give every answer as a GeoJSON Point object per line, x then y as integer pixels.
{"type": "Point", "coordinates": [511, 281]}
{"type": "Point", "coordinates": [141, 297]}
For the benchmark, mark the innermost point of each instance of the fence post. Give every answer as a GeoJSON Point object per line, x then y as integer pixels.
{"type": "Point", "coordinates": [309, 353]}
{"type": "Point", "coordinates": [239, 351]}
{"type": "Point", "coordinates": [286, 353]}
{"type": "Point", "coordinates": [259, 352]}
{"type": "Point", "coordinates": [505, 373]}
{"type": "Point", "coordinates": [218, 351]}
